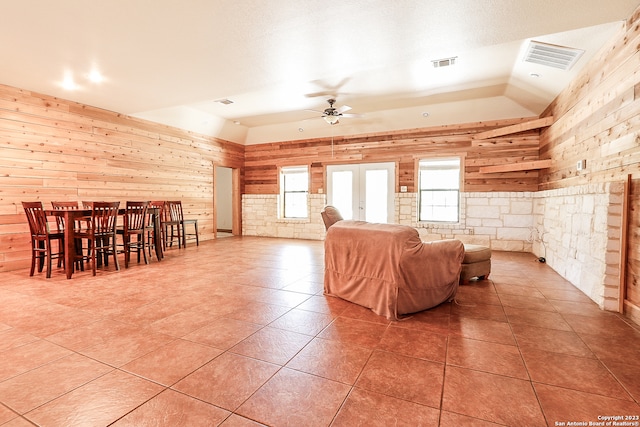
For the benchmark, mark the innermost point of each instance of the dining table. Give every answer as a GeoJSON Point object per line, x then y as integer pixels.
{"type": "Point", "coordinates": [69, 216]}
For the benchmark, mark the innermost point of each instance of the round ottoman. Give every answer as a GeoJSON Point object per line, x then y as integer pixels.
{"type": "Point", "coordinates": [476, 262]}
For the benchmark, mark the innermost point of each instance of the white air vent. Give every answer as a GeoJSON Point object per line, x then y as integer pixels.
{"type": "Point", "coordinates": [552, 55]}
{"type": "Point", "coordinates": [445, 62]}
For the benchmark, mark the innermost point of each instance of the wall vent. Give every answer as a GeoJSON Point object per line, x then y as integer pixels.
{"type": "Point", "coordinates": [445, 62]}
{"type": "Point", "coordinates": [552, 55]}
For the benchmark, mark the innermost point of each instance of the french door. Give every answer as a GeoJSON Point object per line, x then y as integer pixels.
{"type": "Point", "coordinates": [363, 191]}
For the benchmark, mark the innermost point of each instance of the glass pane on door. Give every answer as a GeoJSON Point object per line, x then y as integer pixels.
{"type": "Point", "coordinates": [376, 195]}
{"type": "Point", "coordinates": [342, 193]}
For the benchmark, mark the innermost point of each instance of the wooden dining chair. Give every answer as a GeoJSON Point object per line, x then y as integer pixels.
{"type": "Point", "coordinates": [162, 214]}
{"type": "Point", "coordinates": [101, 233]}
{"type": "Point", "coordinates": [41, 238]}
{"type": "Point", "coordinates": [73, 205]}
{"type": "Point", "coordinates": [173, 223]}
{"type": "Point", "coordinates": [177, 219]}
{"type": "Point", "coordinates": [134, 225]}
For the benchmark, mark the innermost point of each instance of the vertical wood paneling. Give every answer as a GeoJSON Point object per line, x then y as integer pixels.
{"type": "Point", "coordinates": [52, 149]}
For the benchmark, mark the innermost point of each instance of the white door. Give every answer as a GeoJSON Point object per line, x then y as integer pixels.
{"type": "Point", "coordinates": [362, 192]}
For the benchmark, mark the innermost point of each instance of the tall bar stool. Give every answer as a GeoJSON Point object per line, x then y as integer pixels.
{"type": "Point", "coordinates": [134, 225]}
{"type": "Point", "coordinates": [101, 233]}
{"type": "Point", "coordinates": [41, 238]}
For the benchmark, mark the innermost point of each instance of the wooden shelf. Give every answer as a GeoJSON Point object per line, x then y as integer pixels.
{"type": "Point", "coordinates": [531, 165]}
{"type": "Point", "coordinates": [520, 127]}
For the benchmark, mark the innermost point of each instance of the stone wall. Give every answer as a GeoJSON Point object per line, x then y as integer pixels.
{"type": "Point", "coordinates": [260, 218]}
{"type": "Point", "coordinates": [578, 231]}
{"type": "Point", "coordinates": [502, 221]}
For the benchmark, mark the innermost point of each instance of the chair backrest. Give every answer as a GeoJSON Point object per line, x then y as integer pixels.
{"type": "Point", "coordinates": [135, 215]}
{"type": "Point", "coordinates": [175, 210]}
{"type": "Point", "coordinates": [330, 215]}
{"type": "Point", "coordinates": [37, 219]}
{"type": "Point", "coordinates": [162, 205]}
{"type": "Point", "coordinates": [63, 206]}
{"type": "Point", "coordinates": [104, 216]}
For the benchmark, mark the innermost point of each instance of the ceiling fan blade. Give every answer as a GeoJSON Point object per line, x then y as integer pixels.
{"type": "Point", "coordinates": [343, 109]}
{"type": "Point", "coordinates": [315, 111]}
{"type": "Point", "coordinates": [351, 115]}
{"type": "Point", "coordinates": [321, 93]}
{"type": "Point", "coordinates": [328, 89]}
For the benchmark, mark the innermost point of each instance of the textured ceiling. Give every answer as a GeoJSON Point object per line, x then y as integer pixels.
{"type": "Point", "coordinates": [169, 60]}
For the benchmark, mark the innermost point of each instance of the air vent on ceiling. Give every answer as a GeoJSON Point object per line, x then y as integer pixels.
{"type": "Point", "coordinates": [445, 62]}
{"type": "Point", "coordinates": [224, 101]}
{"type": "Point", "coordinates": [552, 55]}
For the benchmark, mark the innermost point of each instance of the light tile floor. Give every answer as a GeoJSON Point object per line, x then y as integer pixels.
{"type": "Point", "coordinates": [236, 332]}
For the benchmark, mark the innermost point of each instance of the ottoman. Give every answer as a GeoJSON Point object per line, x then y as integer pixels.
{"type": "Point", "coordinates": [476, 262]}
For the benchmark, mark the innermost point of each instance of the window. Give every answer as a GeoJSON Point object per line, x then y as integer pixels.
{"type": "Point", "coordinates": [439, 190]}
{"type": "Point", "coordinates": [294, 190]}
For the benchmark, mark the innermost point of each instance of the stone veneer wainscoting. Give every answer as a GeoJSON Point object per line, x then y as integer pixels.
{"type": "Point", "coordinates": [579, 233]}
{"type": "Point", "coordinates": [576, 229]}
{"type": "Point", "coordinates": [260, 217]}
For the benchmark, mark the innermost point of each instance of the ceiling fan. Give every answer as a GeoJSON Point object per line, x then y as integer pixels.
{"type": "Point", "coordinates": [332, 115]}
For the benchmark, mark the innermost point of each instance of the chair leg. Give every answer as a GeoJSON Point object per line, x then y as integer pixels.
{"type": "Point", "coordinates": [48, 255]}
{"type": "Point", "coordinates": [126, 249]}
{"type": "Point", "coordinates": [61, 253]}
{"type": "Point", "coordinates": [114, 251]}
{"type": "Point", "coordinates": [34, 255]}
{"type": "Point", "coordinates": [141, 248]}
{"type": "Point", "coordinates": [41, 247]}
{"type": "Point", "coordinates": [92, 256]}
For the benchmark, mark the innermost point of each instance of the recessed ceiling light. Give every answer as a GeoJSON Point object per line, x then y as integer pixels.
{"type": "Point", "coordinates": [425, 114]}
{"type": "Point", "coordinates": [95, 76]}
{"type": "Point", "coordinates": [224, 101]}
{"type": "Point", "coordinates": [68, 83]}
{"type": "Point", "coordinates": [534, 75]}
{"type": "Point", "coordinates": [300, 130]}
{"type": "Point", "coordinates": [236, 122]}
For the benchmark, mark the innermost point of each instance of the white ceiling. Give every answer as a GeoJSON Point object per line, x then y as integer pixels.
{"type": "Point", "coordinates": [169, 60]}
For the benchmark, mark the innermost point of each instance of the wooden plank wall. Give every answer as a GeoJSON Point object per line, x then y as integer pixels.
{"type": "Point", "coordinates": [633, 244]}
{"type": "Point", "coordinates": [405, 148]}
{"type": "Point", "coordinates": [52, 149]}
{"type": "Point", "coordinates": [598, 118]}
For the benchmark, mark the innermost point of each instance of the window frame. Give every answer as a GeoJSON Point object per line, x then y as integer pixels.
{"type": "Point", "coordinates": [422, 191]}
{"type": "Point", "coordinates": [284, 171]}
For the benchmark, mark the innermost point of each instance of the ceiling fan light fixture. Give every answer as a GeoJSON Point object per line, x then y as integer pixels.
{"type": "Point", "coordinates": [332, 120]}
